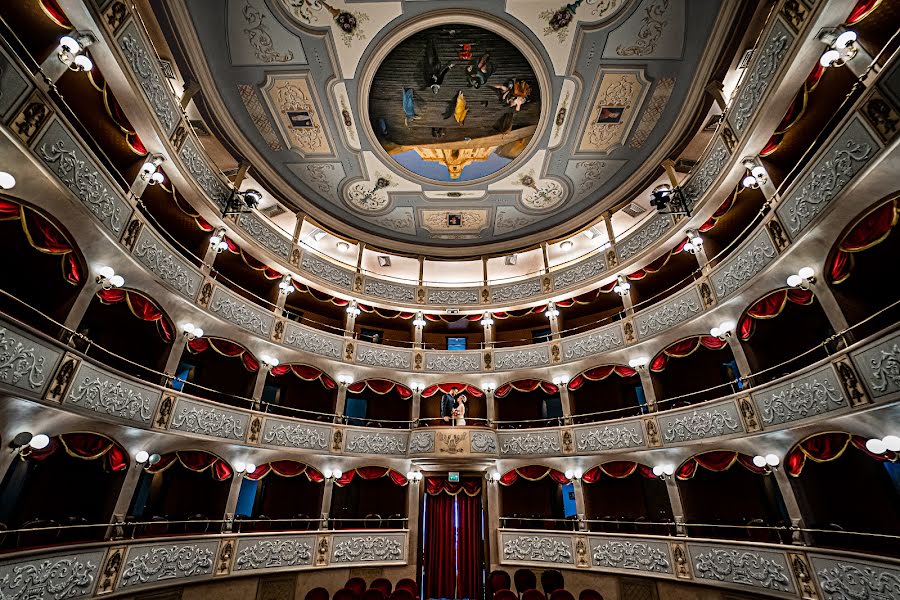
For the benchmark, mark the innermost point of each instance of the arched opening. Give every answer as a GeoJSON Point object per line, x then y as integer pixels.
{"type": "Point", "coordinates": [831, 473]}
{"type": "Point", "coordinates": [430, 409]}
{"type": "Point", "coordinates": [534, 497]}
{"type": "Point", "coordinates": [663, 277]}
{"type": "Point", "coordinates": [316, 309]}
{"type": "Point", "coordinates": [87, 469]}
{"type": "Point", "coordinates": [731, 223]}
{"type": "Point", "coordinates": [590, 310]}
{"type": "Point", "coordinates": [246, 276]}
{"type": "Point", "coordinates": [626, 497]}
{"type": "Point", "coordinates": [173, 218]}
{"type": "Point", "coordinates": [761, 330]}
{"type": "Point", "coordinates": [384, 326]}
{"type": "Point", "coordinates": [370, 498]}
{"type": "Point", "coordinates": [219, 370]}
{"type": "Point", "coordinates": [281, 495]}
{"type": "Point", "coordinates": [606, 393]}
{"type": "Point", "coordinates": [128, 331]}
{"type": "Point", "coordinates": [42, 268]}
{"type": "Point", "coordinates": [300, 391]}
{"type": "Point", "coordinates": [703, 368]}
{"type": "Point", "coordinates": [528, 403]}
{"type": "Point", "coordinates": [521, 327]}
{"type": "Point", "coordinates": [187, 485]}
{"type": "Point", "coordinates": [724, 495]}
{"type": "Point", "coordinates": [378, 403]}
{"type": "Point", "coordinates": [858, 269]}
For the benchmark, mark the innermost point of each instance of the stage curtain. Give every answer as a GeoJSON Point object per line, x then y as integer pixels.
{"type": "Point", "coordinates": [442, 485]}
{"type": "Point", "coordinates": [142, 307]}
{"type": "Point", "coordinates": [717, 461]}
{"type": "Point", "coordinates": [194, 460]}
{"type": "Point", "coordinates": [470, 546]}
{"type": "Point", "coordinates": [683, 348]}
{"type": "Point", "coordinates": [526, 385]}
{"type": "Point", "coordinates": [828, 446]}
{"type": "Point", "coordinates": [532, 473]}
{"type": "Point", "coordinates": [225, 348]}
{"type": "Point", "coordinates": [444, 388]}
{"type": "Point", "coordinates": [599, 374]}
{"type": "Point", "coordinates": [862, 10]}
{"type": "Point", "coordinates": [43, 236]}
{"type": "Point", "coordinates": [869, 231]}
{"type": "Point", "coordinates": [87, 446]}
{"type": "Point", "coordinates": [440, 551]}
{"type": "Point", "coordinates": [380, 387]}
{"type": "Point", "coordinates": [795, 111]}
{"type": "Point", "coordinates": [306, 373]}
{"type": "Point", "coordinates": [722, 210]}
{"type": "Point", "coordinates": [769, 307]}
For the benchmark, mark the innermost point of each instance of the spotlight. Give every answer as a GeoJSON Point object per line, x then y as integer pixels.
{"type": "Point", "coordinates": [566, 245]}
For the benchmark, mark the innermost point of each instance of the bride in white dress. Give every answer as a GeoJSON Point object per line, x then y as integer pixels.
{"type": "Point", "coordinates": [460, 411]}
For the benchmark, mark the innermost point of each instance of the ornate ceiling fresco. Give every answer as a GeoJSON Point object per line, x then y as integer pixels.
{"type": "Point", "coordinates": [452, 123]}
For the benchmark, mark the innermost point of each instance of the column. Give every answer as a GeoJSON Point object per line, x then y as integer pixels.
{"type": "Point", "coordinates": [259, 385]}
{"type": "Point", "coordinates": [716, 90]}
{"type": "Point", "coordinates": [566, 403]}
{"type": "Point", "coordinates": [326, 502]}
{"type": "Point", "coordinates": [791, 504]}
{"type": "Point", "coordinates": [53, 67]}
{"type": "Point", "coordinates": [415, 408]}
{"type": "Point", "coordinates": [554, 325]}
{"type": "Point", "coordinates": [627, 301]}
{"type": "Point", "coordinates": [209, 259]}
{"type": "Point", "coordinates": [647, 385]}
{"type": "Point", "coordinates": [175, 353]}
{"type": "Point", "coordinates": [740, 357]}
{"type": "Point", "coordinates": [830, 305]}
{"type": "Point", "coordinates": [413, 506]}
{"type": "Point", "coordinates": [675, 502]}
{"type": "Point", "coordinates": [489, 332]}
{"type": "Point", "coordinates": [610, 235]}
{"type": "Point", "coordinates": [341, 402]}
{"type": "Point", "coordinates": [417, 334]}
{"type": "Point", "coordinates": [489, 403]}
{"type": "Point", "coordinates": [493, 520]}
{"type": "Point", "coordinates": [298, 227]}
{"type": "Point", "coordinates": [126, 494]}
{"type": "Point", "coordinates": [700, 255]}
{"type": "Point", "coordinates": [234, 493]}
{"type": "Point", "coordinates": [578, 489]}
{"type": "Point", "coordinates": [142, 179]}
{"type": "Point", "coordinates": [349, 324]}
{"type": "Point", "coordinates": [81, 304]}
{"type": "Point", "coordinates": [755, 165]}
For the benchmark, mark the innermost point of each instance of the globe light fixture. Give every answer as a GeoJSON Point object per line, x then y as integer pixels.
{"type": "Point", "coordinates": [487, 320]}
{"type": "Point", "coordinates": [419, 321]}
{"type": "Point", "coordinates": [39, 441]}
{"type": "Point", "coordinates": [141, 457]}
{"type": "Point", "coordinates": [352, 309]}
{"type": "Point", "coordinates": [7, 181]}
{"type": "Point", "coordinates": [108, 279]}
{"type": "Point", "coordinates": [639, 362]}
{"type": "Point", "coordinates": [191, 331]}
{"type": "Point", "coordinates": [622, 285]}
{"type": "Point", "coordinates": [552, 311]}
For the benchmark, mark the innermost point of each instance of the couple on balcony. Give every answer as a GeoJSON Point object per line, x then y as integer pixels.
{"type": "Point", "coordinates": [453, 406]}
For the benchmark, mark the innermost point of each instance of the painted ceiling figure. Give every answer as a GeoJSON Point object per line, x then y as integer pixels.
{"type": "Point", "coordinates": [435, 71]}
{"type": "Point", "coordinates": [477, 73]}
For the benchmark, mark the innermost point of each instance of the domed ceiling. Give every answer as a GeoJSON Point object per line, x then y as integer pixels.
{"type": "Point", "coordinates": [451, 123]}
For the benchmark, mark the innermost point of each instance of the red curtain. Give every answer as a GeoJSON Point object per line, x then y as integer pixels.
{"type": "Point", "coordinates": [142, 307]}
{"type": "Point", "coordinates": [440, 546]}
{"type": "Point", "coordinates": [722, 210]}
{"type": "Point", "coordinates": [871, 230]}
{"type": "Point", "coordinates": [599, 374]}
{"type": "Point", "coordinates": [440, 485]}
{"type": "Point", "coordinates": [306, 373]}
{"type": "Point", "coordinates": [470, 562]}
{"type": "Point", "coordinates": [225, 348]}
{"type": "Point", "coordinates": [183, 205]}
{"type": "Point", "coordinates": [444, 388]}
{"type": "Point", "coordinates": [617, 469]}
{"type": "Point", "coordinates": [717, 461]}
{"type": "Point", "coordinates": [385, 313]}
{"type": "Point", "coordinates": [55, 13]}
{"type": "Point", "coordinates": [862, 10]}
{"type": "Point", "coordinates": [257, 265]}
{"type": "Point", "coordinates": [380, 387]}
{"type": "Point", "coordinates": [683, 348]}
{"type": "Point", "coordinates": [87, 446]}
{"type": "Point", "coordinates": [286, 468]}
{"type": "Point", "coordinates": [43, 236]}
{"type": "Point", "coordinates": [194, 460]}
{"type": "Point", "coordinates": [769, 307]}
{"type": "Point", "coordinates": [533, 473]}
{"type": "Point", "coordinates": [514, 314]}
{"type": "Point", "coordinates": [526, 385]}
{"type": "Point", "coordinates": [371, 472]}
{"type": "Point", "coordinates": [824, 447]}
{"type": "Point", "coordinates": [795, 111]}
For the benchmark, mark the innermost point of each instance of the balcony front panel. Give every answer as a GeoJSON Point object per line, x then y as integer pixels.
{"type": "Point", "coordinates": [246, 315]}
{"type": "Point", "coordinates": [546, 442]}
{"type": "Point", "coordinates": [161, 260]}
{"type": "Point", "coordinates": [27, 364]}
{"type": "Point", "coordinates": [713, 420]}
{"type": "Point", "coordinates": [314, 342]}
{"type": "Point", "coordinates": [809, 395]}
{"type": "Point", "coordinates": [594, 342]}
{"type": "Point", "coordinates": [285, 433]}
{"type": "Point", "coordinates": [743, 265]}
{"type": "Point", "coordinates": [609, 437]}
{"type": "Point", "coordinates": [664, 316]}
{"type": "Point", "coordinates": [94, 391]}
{"type": "Point", "coordinates": [200, 418]}
{"type": "Point", "coordinates": [878, 364]}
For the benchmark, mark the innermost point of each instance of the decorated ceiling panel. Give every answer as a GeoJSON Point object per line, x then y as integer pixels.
{"type": "Point", "coordinates": [456, 123]}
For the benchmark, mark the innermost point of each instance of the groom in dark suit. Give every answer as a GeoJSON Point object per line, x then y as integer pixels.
{"type": "Point", "coordinates": [448, 405]}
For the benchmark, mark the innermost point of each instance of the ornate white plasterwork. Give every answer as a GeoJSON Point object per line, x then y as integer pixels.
{"type": "Point", "coordinates": [521, 358]}
{"type": "Point", "coordinates": [879, 366]}
{"type": "Point", "coordinates": [389, 291]}
{"type": "Point", "coordinates": [752, 567]}
{"type": "Point", "coordinates": [714, 421]}
{"type": "Point", "coordinates": [198, 167]}
{"type": "Point", "coordinates": [453, 362]}
{"type": "Point", "coordinates": [508, 219]}
{"type": "Point", "coordinates": [291, 434]}
{"type": "Point", "coordinates": [307, 340]}
{"type": "Point", "coordinates": [24, 363]}
{"type": "Point", "coordinates": [731, 275]}
{"type": "Point", "coordinates": [148, 564]}
{"type": "Point", "coordinates": [761, 73]}
{"type": "Point", "coordinates": [847, 154]}
{"type": "Point", "coordinates": [98, 392]}
{"type": "Point", "coordinates": [644, 236]}
{"type": "Point", "coordinates": [421, 442]}
{"type": "Point", "coordinates": [511, 292]}
{"type": "Point", "coordinates": [163, 262]}
{"type": "Point", "coordinates": [267, 236]}
{"type": "Point", "coordinates": [614, 553]}
{"type": "Point", "coordinates": [375, 355]}
{"type": "Point", "coordinates": [145, 68]}
{"type": "Point", "coordinates": [585, 270]}
{"type": "Point", "coordinates": [258, 115]}
{"type": "Point", "coordinates": [401, 219]}
{"type": "Point", "coordinates": [842, 578]}
{"type": "Point", "coordinates": [526, 443]}
{"type": "Point", "coordinates": [600, 438]}
{"type": "Point", "coordinates": [568, 97]}
{"type": "Point", "coordinates": [624, 91]}
{"type": "Point", "coordinates": [609, 337]}
{"type": "Point", "coordinates": [375, 442]}
{"type": "Point", "coordinates": [654, 31]}
{"type": "Point", "coordinates": [358, 548]}
{"type": "Point", "coordinates": [326, 271]}
{"type": "Point", "coordinates": [483, 442]}
{"type": "Point", "coordinates": [659, 318]}
{"type": "Point", "coordinates": [255, 37]}
{"type": "Point", "coordinates": [246, 315]}
{"type": "Point", "coordinates": [555, 549]}
{"type": "Point", "coordinates": [812, 394]}
{"type": "Point", "coordinates": [57, 577]}
{"type": "Point", "coordinates": [653, 111]}
{"type": "Point", "coordinates": [453, 296]}
{"type": "Point", "coordinates": [703, 176]}
{"type": "Point", "coordinates": [588, 175]}
{"type": "Point", "coordinates": [255, 554]}
{"type": "Point", "coordinates": [323, 177]}
{"type": "Point", "coordinates": [298, 114]}
{"type": "Point", "coordinates": [202, 419]}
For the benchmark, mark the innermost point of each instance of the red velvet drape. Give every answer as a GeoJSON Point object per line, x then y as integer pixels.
{"type": "Point", "coordinates": [526, 385]}
{"type": "Point", "coordinates": [386, 313]}
{"type": "Point", "coordinates": [599, 374]}
{"type": "Point", "coordinates": [444, 388]}
{"type": "Point", "coordinates": [871, 230]}
{"type": "Point", "coordinates": [55, 13]}
{"type": "Point", "coordinates": [267, 271]}
{"type": "Point", "coordinates": [769, 307]}
{"type": "Point", "coordinates": [532, 473]}
{"type": "Point", "coordinates": [827, 446]}
{"type": "Point", "coordinates": [795, 111]}
{"type": "Point", "coordinates": [683, 348]}
{"type": "Point", "coordinates": [717, 461]}
{"type": "Point", "coordinates": [87, 446]}
{"type": "Point", "coordinates": [194, 460]}
{"type": "Point", "coordinates": [286, 468]}
{"type": "Point", "coordinates": [722, 210]}
{"type": "Point", "coordinates": [862, 10]}
{"type": "Point", "coordinates": [381, 387]}
{"type": "Point", "coordinates": [371, 472]}
{"type": "Point", "coordinates": [306, 373]}
{"type": "Point", "coordinates": [470, 563]}
{"type": "Point", "coordinates": [142, 307]}
{"type": "Point", "coordinates": [440, 546]}
{"type": "Point", "coordinates": [225, 348]}
{"type": "Point", "coordinates": [43, 236]}
{"type": "Point", "coordinates": [440, 485]}
{"type": "Point", "coordinates": [617, 469]}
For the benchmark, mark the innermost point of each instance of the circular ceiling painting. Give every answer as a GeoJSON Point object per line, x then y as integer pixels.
{"type": "Point", "coordinates": [454, 103]}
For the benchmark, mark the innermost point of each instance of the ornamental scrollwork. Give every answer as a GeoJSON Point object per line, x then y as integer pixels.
{"type": "Point", "coordinates": [595, 343]}
{"type": "Point", "coordinates": [483, 442]}
{"type": "Point", "coordinates": [453, 362]}
{"type": "Point", "coordinates": [274, 553]}
{"type": "Point", "coordinates": [144, 67]}
{"type": "Point", "coordinates": [452, 297]}
{"type": "Point", "coordinates": [583, 271]}
{"type": "Point", "coordinates": [703, 177]}
{"type": "Point", "coordinates": [258, 36]}
{"type": "Point", "coordinates": [313, 343]}
{"type": "Point", "coordinates": [264, 234]}
{"type": "Point", "coordinates": [19, 363]}
{"type": "Point", "coordinates": [167, 562]}
{"type": "Point", "coordinates": [744, 266]}
{"type": "Point", "coordinates": [763, 71]}
{"type": "Point", "coordinates": [381, 289]}
{"type": "Point", "coordinates": [642, 556]}
{"type": "Point", "coordinates": [376, 548]}
{"type": "Point", "coordinates": [515, 291]}
{"type": "Point", "coordinates": [57, 578]}
{"type": "Point", "coordinates": [652, 26]}
{"type": "Point", "coordinates": [112, 398]}
{"type": "Point", "coordinates": [608, 438]}
{"type": "Point", "coordinates": [376, 443]}
{"type": "Point", "coordinates": [845, 581]}
{"type": "Point", "coordinates": [202, 174]}
{"type": "Point", "coordinates": [885, 369]}
{"type": "Point", "coordinates": [381, 357]}
{"type": "Point", "coordinates": [521, 359]}
{"type": "Point", "coordinates": [325, 271]}
{"type": "Point", "coordinates": [168, 268]}
{"type": "Point", "coordinates": [240, 313]}
{"type": "Point", "coordinates": [296, 436]}
{"type": "Point", "coordinates": [670, 314]}
{"type": "Point", "coordinates": [538, 549]}
{"type": "Point", "coordinates": [644, 236]}
{"type": "Point", "coordinates": [530, 443]}
{"type": "Point", "coordinates": [209, 421]}
{"type": "Point", "coordinates": [737, 566]}
{"type": "Point", "coordinates": [800, 400]}
{"type": "Point", "coordinates": [701, 424]}
{"type": "Point", "coordinates": [421, 442]}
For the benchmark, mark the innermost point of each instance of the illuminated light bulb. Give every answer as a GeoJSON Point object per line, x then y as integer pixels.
{"type": "Point", "coordinates": [337, 473]}
{"type": "Point", "coordinates": [845, 40]}
{"type": "Point", "coordinates": [658, 470]}
{"type": "Point", "coordinates": [807, 273]}
{"type": "Point", "coordinates": [759, 461]}
{"type": "Point", "coordinates": [794, 280]}
{"type": "Point", "coordinates": [82, 63]}
{"type": "Point", "coordinates": [876, 446]}
{"type": "Point", "coordinates": [772, 460]}
{"type": "Point", "coordinates": [750, 182]}
{"type": "Point", "coordinates": [39, 442]}
{"type": "Point", "coordinates": [7, 181]}
{"type": "Point", "coordinates": [105, 272]}
{"type": "Point", "coordinates": [669, 469]}
{"type": "Point", "coordinates": [891, 442]}
{"type": "Point", "coordinates": [142, 456]}
{"type": "Point", "coordinates": [831, 58]}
